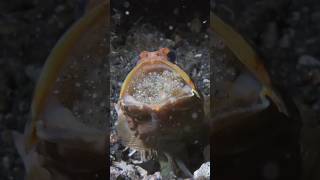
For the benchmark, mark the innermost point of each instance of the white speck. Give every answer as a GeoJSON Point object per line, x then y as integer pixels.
{"type": "Point", "coordinates": [194, 72]}
{"type": "Point", "coordinates": [308, 60]}
{"type": "Point", "coordinates": [127, 12]}
{"type": "Point", "coordinates": [206, 36]}
{"type": "Point", "coordinates": [206, 81]}
{"type": "Point", "coordinates": [132, 152]}
{"type": "Point", "coordinates": [204, 21]}
{"type": "Point", "coordinates": [198, 55]}
{"type": "Point", "coordinates": [55, 92]}
{"type": "Point", "coordinates": [176, 11]}
{"type": "Point", "coordinates": [194, 115]}
{"type": "Point", "coordinates": [94, 95]}
{"type": "Point", "coordinates": [170, 27]}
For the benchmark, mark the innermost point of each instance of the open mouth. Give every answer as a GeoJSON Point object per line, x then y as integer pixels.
{"type": "Point", "coordinates": [157, 83]}
{"type": "Point", "coordinates": [157, 87]}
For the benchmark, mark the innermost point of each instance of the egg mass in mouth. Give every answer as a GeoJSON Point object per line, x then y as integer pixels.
{"type": "Point", "coordinates": [156, 87]}
{"type": "Point", "coordinates": [156, 98]}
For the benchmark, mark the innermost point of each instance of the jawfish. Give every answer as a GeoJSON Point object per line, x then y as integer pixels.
{"type": "Point", "coordinates": [66, 137]}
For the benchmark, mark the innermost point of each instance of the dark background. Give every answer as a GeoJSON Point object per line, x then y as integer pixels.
{"type": "Point", "coordinates": [159, 13]}
{"type": "Point", "coordinates": [28, 32]}
{"type": "Point", "coordinates": [286, 35]}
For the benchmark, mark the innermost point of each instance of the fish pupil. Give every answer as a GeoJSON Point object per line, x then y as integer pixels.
{"type": "Point", "coordinates": [172, 56]}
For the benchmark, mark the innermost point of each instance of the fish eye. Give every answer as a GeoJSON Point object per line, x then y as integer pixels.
{"type": "Point", "coordinates": [172, 56]}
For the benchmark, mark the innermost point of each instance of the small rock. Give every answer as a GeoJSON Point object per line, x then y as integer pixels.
{"type": "Point", "coordinates": [141, 171]}
{"type": "Point", "coordinates": [113, 138]}
{"type": "Point", "coordinates": [307, 60]}
{"type": "Point", "coordinates": [155, 176]}
{"type": "Point", "coordinates": [33, 72]}
{"type": "Point", "coordinates": [203, 172]}
{"type": "Point", "coordinates": [114, 172]}
{"type": "Point", "coordinates": [129, 170]}
{"type": "Point", "coordinates": [132, 152]}
{"type": "Point", "coordinates": [198, 55]}
{"type": "Point", "coordinates": [206, 81]}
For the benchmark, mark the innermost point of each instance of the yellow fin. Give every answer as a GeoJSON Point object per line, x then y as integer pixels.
{"type": "Point", "coordinates": [247, 56]}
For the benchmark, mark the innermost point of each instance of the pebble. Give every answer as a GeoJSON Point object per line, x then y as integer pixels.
{"type": "Point", "coordinates": [33, 72]}
{"type": "Point", "coordinates": [194, 115]}
{"type": "Point", "coordinates": [206, 81]}
{"type": "Point", "coordinates": [307, 60]}
{"type": "Point", "coordinates": [113, 138]}
{"type": "Point", "coordinates": [155, 176]}
{"type": "Point", "coordinates": [198, 55]}
{"type": "Point", "coordinates": [203, 172]}
{"type": "Point", "coordinates": [126, 169]}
